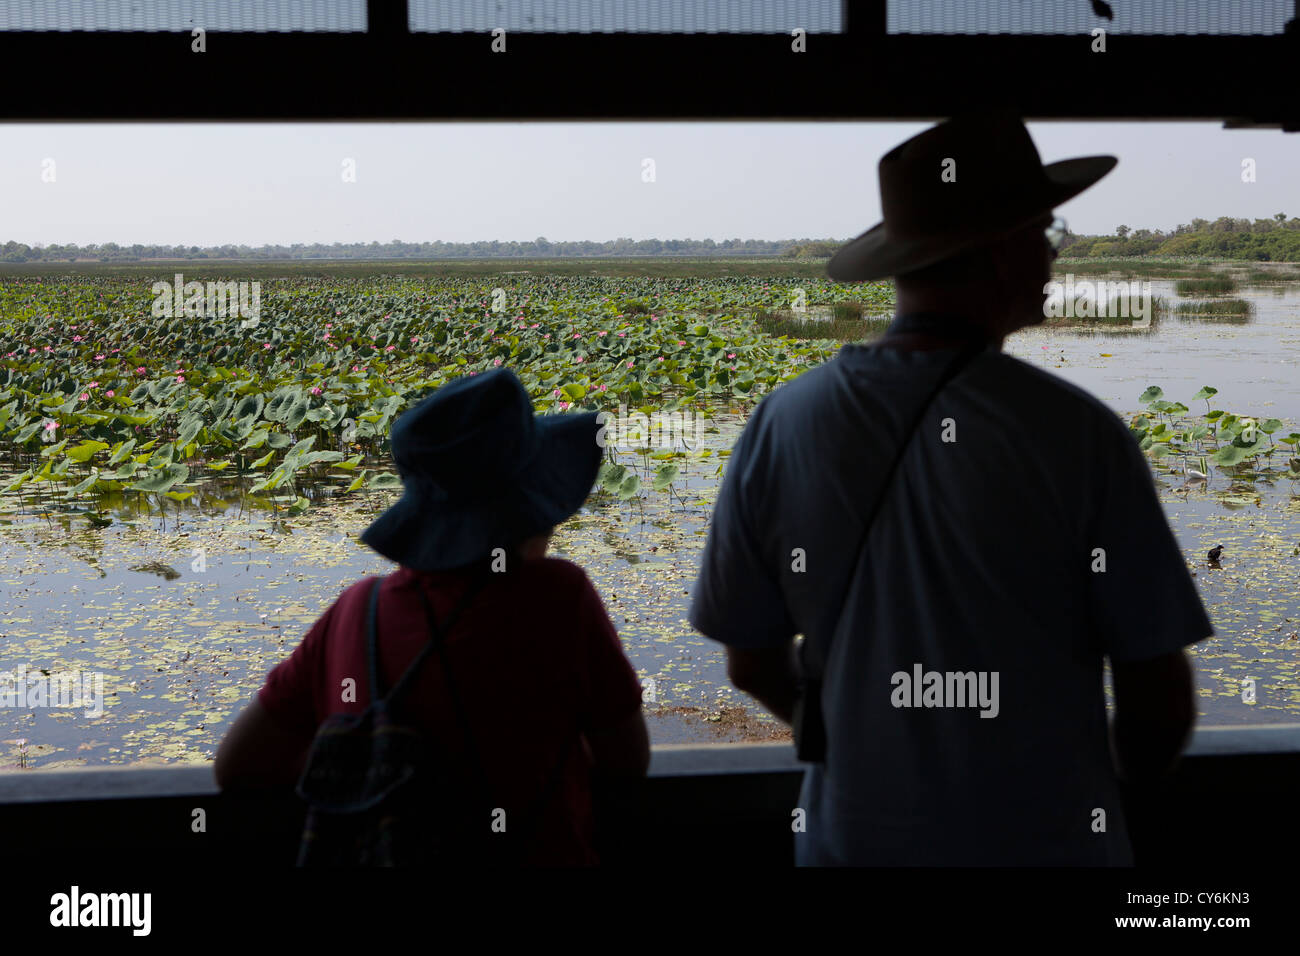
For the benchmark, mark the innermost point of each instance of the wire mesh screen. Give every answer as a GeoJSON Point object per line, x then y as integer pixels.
{"type": "Point", "coordinates": [229, 16]}
{"type": "Point", "coordinates": [626, 16]}
{"type": "Point", "coordinates": [1152, 17]}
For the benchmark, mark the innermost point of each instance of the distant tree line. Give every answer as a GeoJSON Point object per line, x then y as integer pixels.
{"type": "Point", "coordinates": [1276, 239]}
{"type": "Point", "coordinates": [1263, 240]}
{"type": "Point", "coordinates": [540, 247]}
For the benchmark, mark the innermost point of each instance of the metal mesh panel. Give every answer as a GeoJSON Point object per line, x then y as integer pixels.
{"type": "Point", "coordinates": [1153, 17]}
{"type": "Point", "coordinates": [229, 16]}
{"type": "Point", "coordinates": [626, 16]}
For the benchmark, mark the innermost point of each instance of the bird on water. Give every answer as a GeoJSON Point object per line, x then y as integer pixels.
{"type": "Point", "coordinates": [1214, 554]}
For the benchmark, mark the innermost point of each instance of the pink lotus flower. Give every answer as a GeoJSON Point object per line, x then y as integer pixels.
{"type": "Point", "coordinates": [315, 389]}
{"type": "Point", "coordinates": [661, 358]}
{"type": "Point", "coordinates": [622, 335]}
{"type": "Point", "coordinates": [31, 350]}
{"type": "Point", "coordinates": [93, 385]}
{"type": "Point", "coordinates": [99, 357]}
{"type": "Point", "coordinates": [680, 342]}
{"type": "Point", "coordinates": [109, 393]}
{"type": "Point", "coordinates": [564, 406]}
{"type": "Point", "coordinates": [84, 396]}
{"type": "Point", "coordinates": [497, 361]}
{"type": "Point", "coordinates": [266, 345]}
{"type": "Point", "coordinates": [389, 348]}
{"type": "Point", "coordinates": [603, 387]}
{"type": "Point", "coordinates": [76, 338]}
{"type": "Point", "coordinates": [629, 363]}
{"type": "Point", "coordinates": [557, 393]}
{"type": "Point", "coordinates": [50, 426]}
{"type": "Point", "coordinates": [49, 348]}
{"type": "Point", "coordinates": [731, 355]}
{"type": "Point", "coordinates": [140, 370]}
{"type": "Point", "coordinates": [180, 379]}
{"type": "Point", "coordinates": [414, 339]}
{"type": "Point", "coordinates": [580, 359]}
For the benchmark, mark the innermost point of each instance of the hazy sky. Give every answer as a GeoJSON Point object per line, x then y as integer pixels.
{"type": "Point", "coordinates": [283, 183]}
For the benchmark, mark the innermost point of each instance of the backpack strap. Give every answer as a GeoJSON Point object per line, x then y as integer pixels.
{"type": "Point", "coordinates": [372, 642]}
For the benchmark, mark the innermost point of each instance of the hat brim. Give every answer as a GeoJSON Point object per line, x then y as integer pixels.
{"type": "Point", "coordinates": [874, 255]}
{"type": "Point", "coordinates": [427, 535]}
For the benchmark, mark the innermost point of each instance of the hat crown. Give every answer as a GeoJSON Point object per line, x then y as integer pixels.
{"type": "Point", "coordinates": [469, 437]}
{"type": "Point", "coordinates": [964, 174]}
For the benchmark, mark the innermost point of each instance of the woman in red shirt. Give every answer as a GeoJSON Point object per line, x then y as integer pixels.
{"type": "Point", "coordinates": [542, 681]}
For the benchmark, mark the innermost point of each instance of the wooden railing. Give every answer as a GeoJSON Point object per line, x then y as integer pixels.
{"type": "Point", "coordinates": [1234, 800]}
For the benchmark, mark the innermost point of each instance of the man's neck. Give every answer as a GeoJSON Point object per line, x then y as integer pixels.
{"type": "Point", "coordinates": [925, 340]}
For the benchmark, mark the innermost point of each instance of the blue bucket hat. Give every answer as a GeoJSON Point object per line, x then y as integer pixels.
{"type": "Point", "coordinates": [480, 472]}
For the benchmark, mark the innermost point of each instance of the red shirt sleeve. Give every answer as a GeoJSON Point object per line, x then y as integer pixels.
{"type": "Point", "coordinates": [613, 690]}
{"type": "Point", "coordinates": [289, 692]}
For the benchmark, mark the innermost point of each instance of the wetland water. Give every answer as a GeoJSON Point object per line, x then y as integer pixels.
{"type": "Point", "coordinates": [184, 615]}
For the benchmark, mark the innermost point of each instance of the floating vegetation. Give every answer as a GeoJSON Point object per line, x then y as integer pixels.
{"type": "Point", "coordinates": [98, 396]}
{"type": "Point", "coordinates": [1214, 285]}
{"type": "Point", "coordinates": [1238, 307]}
{"type": "Point", "coordinates": [1267, 276]}
{"type": "Point", "coordinates": [1242, 447]}
{"type": "Point", "coordinates": [1149, 268]}
{"type": "Point", "coordinates": [792, 325]}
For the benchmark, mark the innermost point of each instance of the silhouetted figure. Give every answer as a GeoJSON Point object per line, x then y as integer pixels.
{"type": "Point", "coordinates": [1215, 553]}
{"type": "Point", "coordinates": [960, 637]}
{"type": "Point", "coordinates": [537, 691]}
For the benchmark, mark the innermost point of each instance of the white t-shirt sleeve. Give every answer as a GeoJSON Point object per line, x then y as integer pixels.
{"type": "Point", "coordinates": [1145, 603]}
{"type": "Point", "coordinates": [738, 599]}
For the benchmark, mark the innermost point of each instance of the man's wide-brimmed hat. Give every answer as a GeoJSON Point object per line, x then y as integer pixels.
{"type": "Point", "coordinates": [956, 186]}
{"type": "Point", "coordinates": [480, 472]}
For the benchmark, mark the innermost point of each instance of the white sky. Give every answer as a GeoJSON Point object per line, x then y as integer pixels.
{"type": "Point", "coordinates": [281, 183]}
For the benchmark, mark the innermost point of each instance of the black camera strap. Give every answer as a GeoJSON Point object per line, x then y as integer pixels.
{"type": "Point", "coordinates": [812, 659]}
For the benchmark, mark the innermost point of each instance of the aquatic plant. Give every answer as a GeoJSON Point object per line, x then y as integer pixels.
{"type": "Point", "coordinates": [100, 399]}
{"type": "Point", "coordinates": [1242, 446]}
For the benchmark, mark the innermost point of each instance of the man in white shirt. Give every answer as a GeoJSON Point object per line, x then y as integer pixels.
{"type": "Point", "coordinates": [1019, 543]}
